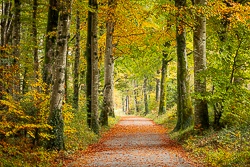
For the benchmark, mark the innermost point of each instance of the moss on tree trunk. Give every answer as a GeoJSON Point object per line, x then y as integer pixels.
{"type": "Point", "coordinates": [184, 105]}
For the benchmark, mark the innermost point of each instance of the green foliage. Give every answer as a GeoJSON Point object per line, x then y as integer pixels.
{"type": "Point", "coordinates": [228, 147]}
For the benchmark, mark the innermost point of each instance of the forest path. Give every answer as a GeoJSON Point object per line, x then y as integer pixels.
{"type": "Point", "coordinates": [134, 141]}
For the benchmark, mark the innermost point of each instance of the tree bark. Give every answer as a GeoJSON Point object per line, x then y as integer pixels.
{"type": "Point", "coordinates": [157, 89]}
{"type": "Point", "coordinates": [145, 96]}
{"type": "Point", "coordinates": [34, 34]}
{"type": "Point", "coordinates": [6, 31]}
{"type": "Point", "coordinates": [162, 105]}
{"type": "Point", "coordinates": [94, 70]}
{"type": "Point", "coordinates": [55, 118]}
{"type": "Point", "coordinates": [50, 42]}
{"type": "Point", "coordinates": [199, 54]}
{"type": "Point", "coordinates": [109, 62]}
{"type": "Point", "coordinates": [16, 47]}
{"type": "Point", "coordinates": [184, 105]}
{"type": "Point", "coordinates": [112, 112]}
{"type": "Point", "coordinates": [89, 66]}
{"type": "Point", "coordinates": [77, 58]}
{"type": "Point", "coordinates": [66, 92]}
{"type": "Point", "coordinates": [135, 97]}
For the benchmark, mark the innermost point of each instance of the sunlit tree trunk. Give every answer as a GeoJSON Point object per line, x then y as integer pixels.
{"type": "Point", "coordinates": [50, 42]}
{"type": "Point", "coordinates": [94, 70]}
{"type": "Point", "coordinates": [108, 107]}
{"type": "Point", "coordinates": [184, 105]}
{"type": "Point", "coordinates": [55, 118]}
{"type": "Point", "coordinates": [6, 31]}
{"type": "Point", "coordinates": [112, 113]}
{"type": "Point", "coordinates": [162, 104]}
{"type": "Point", "coordinates": [199, 54]}
{"type": "Point", "coordinates": [145, 96]}
{"type": "Point", "coordinates": [77, 58]}
{"type": "Point", "coordinates": [16, 47]}
{"type": "Point", "coordinates": [135, 92]}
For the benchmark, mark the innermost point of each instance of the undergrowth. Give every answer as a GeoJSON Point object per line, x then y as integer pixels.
{"type": "Point", "coordinates": [17, 147]}
{"type": "Point", "coordinates": [228, 146]}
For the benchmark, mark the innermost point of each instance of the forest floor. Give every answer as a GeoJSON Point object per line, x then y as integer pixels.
{"type": "Point", "coordinates": [134, 141]}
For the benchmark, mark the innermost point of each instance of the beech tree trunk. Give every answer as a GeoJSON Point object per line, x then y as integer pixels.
{"type": "Point", "coordinates": [50, 42]}
{"type": "Point", "coordinates": [34, 34]}
{"type": "Point", "coordinates": [157, 89]}
{"type": "Point", "coordinates": [94, 70]}
{"type": "Point", "coordinates": [112, 112]}
{"type": "Point", "coordinates": [184, 104]}
{"type": "Point", "coordinates": [16, 48]}
{"type": "Point", "coordinates": [145, 96]}
{"type": "Point", "coordinates": [6, 31]}
{"type": "Point", "coordinates": [199, 45]}
{"type": "Point", "coordinates": [109, 63]}
{"type": "Point", "coordinates": [135, 92]}
{"type": "Point", "coordinates": [55, 118]}
{"type": "Point", "coordinates": [77, 58]}
{"type": "Point", "coordinates": [162, 105]}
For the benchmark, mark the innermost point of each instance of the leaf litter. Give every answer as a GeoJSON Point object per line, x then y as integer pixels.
{"type": "Point", "coordinates": [134, 141]}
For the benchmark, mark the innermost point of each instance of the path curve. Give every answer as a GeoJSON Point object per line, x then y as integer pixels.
{"type": "Point", "coordinates": [134, 141]}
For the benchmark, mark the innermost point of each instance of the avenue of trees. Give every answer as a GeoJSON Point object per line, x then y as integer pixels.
{"type": "Point", "coordinates": [60, 58]}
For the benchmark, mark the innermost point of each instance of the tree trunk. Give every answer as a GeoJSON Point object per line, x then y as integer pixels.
{"type": "Point", "coordinates": [109, 62]}
{"type": "Point", "coordinates": [77, 58]}
{"type": "Point", "coordinates": [145, 96]}
{"type": "Point", "coordinates": [162, 105]}
{"type": "Point", "coordinates": [199, 54]}
{"type": "Point", "coordinates": [184, 104]}
{"type": "Point", "coordinates": [16, 47]}
{"type": "Point", "coordinates": [127, 104]}
{"type": "Point", "coordinates": [157, 90]}
{"type": "Point", "coordinates": [135, 97]}
{"type": "Point", "coordinates": [89, 66]}
{"type": "Point", "coordinates": [94, 70]}
{"type": "Point", "coordinates": [66, 92]}
{"type": "Point", "coordinates": [112, 112]}
{"type": "Point", "coordinates": [55, 118]}
{"type": "Point", "coordinates": [6, 31]}
{"type": "Point", "coordinates": [50, 42]}
{"type": "Point", "coordinates": [34, 34]}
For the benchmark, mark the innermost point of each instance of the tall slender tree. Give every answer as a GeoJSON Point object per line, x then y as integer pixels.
{"type": "Point", "coordinates": [184, 105]}
{"type": "Point", "coordinates": [50, 42]}
{"type": "Point", "coordinates": [157, 89]}
{"type": "Point", "coordinates": [34, 35]}
{"type": "Point", "coordinates": [145, 95]}
{"type": "Point", "coordinates": [16, 44]}
{"type": "Point", "coordinates": [77, 58]}
{"type": "Point", "coordinates": [89, 65]}
{"type": "Point", "coordinates": [94, 69]}
{"type": "Point", "coordinates": [199, 45]}
{"type": "Point", "coordinates": [109, 63]}
{"type": "Point", "coordinates": [6, 31]}
{"type": "Point", "coordinates": [162, 104]}
{"type": "Point", "coordinates": [55, 118]}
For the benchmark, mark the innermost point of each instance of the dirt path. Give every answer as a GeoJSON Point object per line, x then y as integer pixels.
{"type": "Point", "coordinates": [134, 141]}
